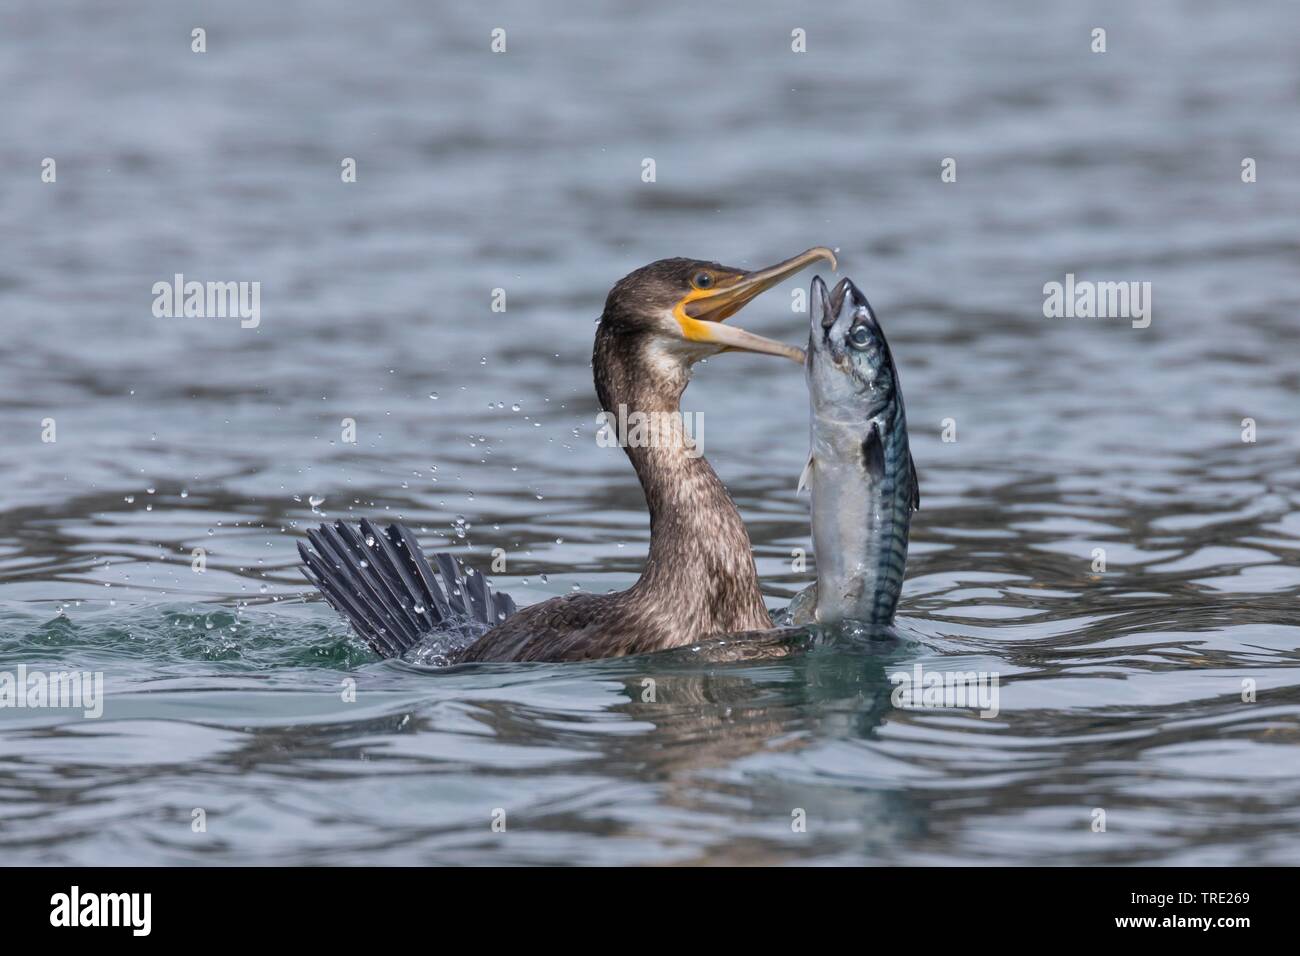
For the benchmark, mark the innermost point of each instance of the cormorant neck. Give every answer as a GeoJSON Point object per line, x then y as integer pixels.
{"type": "Point", "coordinates": [639, 383]}
{"type": "Point", "coordinates": [700, 556]}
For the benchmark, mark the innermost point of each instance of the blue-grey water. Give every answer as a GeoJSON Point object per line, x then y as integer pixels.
{"type": "Point", "coordinates": [1126, 690]}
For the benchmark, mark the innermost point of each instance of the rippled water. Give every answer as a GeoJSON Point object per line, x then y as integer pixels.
{"type": "Point", "coordinates": [1120, 691]}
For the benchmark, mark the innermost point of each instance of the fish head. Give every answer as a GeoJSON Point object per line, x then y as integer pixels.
{"type": "Point", "coordinates": [849, 367]}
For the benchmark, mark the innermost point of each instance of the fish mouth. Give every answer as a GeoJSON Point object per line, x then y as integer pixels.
{"type": "Point", "coordinates": [701, 313]}
{"type": "Point", "coordinates": [857, 301]}
{"type": "Point", "coordinates": [824, 311]}
{"type": "Point", "coordinates": [831, 314]}
{"type": "Point", "coordinates": [831, 304]}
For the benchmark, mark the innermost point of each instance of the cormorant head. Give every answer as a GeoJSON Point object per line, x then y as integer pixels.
{"type": "Point", "coordinates": [678, 305]}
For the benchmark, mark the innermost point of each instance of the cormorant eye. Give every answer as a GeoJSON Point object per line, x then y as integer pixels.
{"type": "Point", "coordinates": [860, 337]}
{"type": "Point", "coordinates": [703, 280]}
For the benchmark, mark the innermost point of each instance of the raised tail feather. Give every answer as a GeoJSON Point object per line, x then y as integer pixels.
{"type": "Point", "coordinates": [390, 592]}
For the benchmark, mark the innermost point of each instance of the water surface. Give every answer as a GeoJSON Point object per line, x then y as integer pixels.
{"type": "Point", "coordinates": [1120, 690]}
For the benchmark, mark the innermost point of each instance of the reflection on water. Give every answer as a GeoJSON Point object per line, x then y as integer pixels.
{"type": "Point", "coordinates": [1098, 535]}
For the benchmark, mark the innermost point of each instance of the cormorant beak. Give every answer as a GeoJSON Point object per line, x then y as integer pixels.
{"type": "Point", "coordinates": [701, 313]}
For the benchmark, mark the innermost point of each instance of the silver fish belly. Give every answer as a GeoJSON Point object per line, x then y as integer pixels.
{"type": "Point", "coordinates": [861, 516]}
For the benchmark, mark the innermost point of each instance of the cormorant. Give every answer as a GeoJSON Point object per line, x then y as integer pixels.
{"type": "Point", "coordinates": [699, 579]}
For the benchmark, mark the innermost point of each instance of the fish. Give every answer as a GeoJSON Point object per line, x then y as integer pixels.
{"type": "Point", "coordinates": [860, 471]}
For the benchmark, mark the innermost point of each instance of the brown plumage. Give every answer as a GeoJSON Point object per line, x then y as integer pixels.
{"type": "Point", "coordinates": [699, 578]}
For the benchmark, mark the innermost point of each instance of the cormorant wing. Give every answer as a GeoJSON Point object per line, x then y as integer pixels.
{"type": "Point", "coordinates": [389, 591]}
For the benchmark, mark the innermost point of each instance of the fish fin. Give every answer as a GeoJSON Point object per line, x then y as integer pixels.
{"type": "Point", "coordinates": [916, 482]}
{"type": "Point", "coordinates": [805, 476]}
{"type": "Point", "coordinates": [873, 453]}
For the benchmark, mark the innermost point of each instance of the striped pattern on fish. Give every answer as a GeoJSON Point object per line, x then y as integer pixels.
{"type": "Point", "coordinates": [860, 469]}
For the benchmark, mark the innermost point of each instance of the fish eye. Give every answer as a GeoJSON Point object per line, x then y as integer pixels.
{"type": "Point", "coordinates": [703, 280]}
{"type": "Point", "coordinates": [860, 336]}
